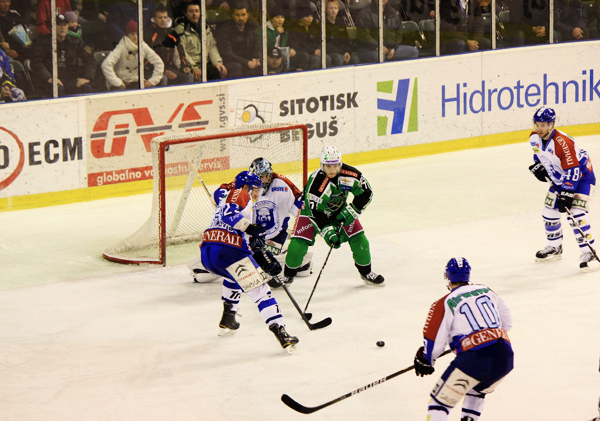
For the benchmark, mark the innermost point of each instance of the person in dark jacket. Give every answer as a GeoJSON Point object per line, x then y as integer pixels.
{"type": "Point", "coordinates": [461, 27]}
{"type": "Point", "coordinates": [166, 43]}
{"type": "Point", "coordinates": [17, 42]}
{"type": "Point", "coordinates": [339, 50]}
{"type": "Point", "coordinates": [121, 12]}
{"type": "Point", "coordinates": [571, 20]}
{"type": "Point", "coordinates": [239, 44]}
{"type": "Point", "coordinates": [367, 23]}
{"type": "Point", "coordinates": [72, 78]}
{"type": "Point", "coordinates": [304, 37]}
{"type": "Point", "coordinates": [529, 23]}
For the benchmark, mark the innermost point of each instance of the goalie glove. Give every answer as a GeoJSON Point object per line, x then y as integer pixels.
{"type": "Point", "coordinates": [422, 366]}
{"type": "Point", "coordinates": [539, 171]}
{"type": "Point", "coordinates": [331, 237]}
{"type": "Point", "coordinates": [565, 200]}
{"type": "Point", "coordinates": [348, 215]}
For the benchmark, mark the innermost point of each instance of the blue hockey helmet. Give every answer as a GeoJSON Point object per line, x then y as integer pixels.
{"type": "Point", "coordinates": [262, 168]}
{"type": "Point", "coordinates": [246, 178]}
{"type": "Point", "coordinates": [544, 115]}
{"type": "Point", "coordinates": [457, 270]}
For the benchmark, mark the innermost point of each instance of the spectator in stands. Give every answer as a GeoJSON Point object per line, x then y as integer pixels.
{"type": "Point", "coordinates": [239, 44]}
{"type": "Point", "coordinates": [462, 27]}
{"type": "Point", "coordinates": [72, 78]}
{"type": "Point", "coordinates": [275, 63]}
{"type": "Point", "coordinates": [571, 20]}
{"type": "Point", "coordinates": [17, 42]}
{"type": "Point", "coordinates": [120, 12]}
{"type": "Point", "coordinates": [417, 10]}
{"type": "Point", "coordinates": [529, 20]}
{"type": "Point", "coordinates": [166, 43]}
{"type": "Point", "coordinates": [594, 20]}
{"type": "Point", "coordinates": [9, 91]}
{"type": "Point", "coordinates": [305, 39]}
{"type": "Point", "coordinates": [121, 66]}
{"type": "Point", "coordinates": [44, 14]}
{"type": "Point", "coordinates": [189, 30]}
{"type": "Point", "coordinates": [367, 23]}
{"type": "Point", "coordinates": [74, 27]}
{"type": "Point", "coordinates": [339, 50]}
{"type": "Point", "coordinates": [277, 36]}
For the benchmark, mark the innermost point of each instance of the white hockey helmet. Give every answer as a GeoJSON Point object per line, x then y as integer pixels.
{"type": "Point", "coordinates": [330, 155]}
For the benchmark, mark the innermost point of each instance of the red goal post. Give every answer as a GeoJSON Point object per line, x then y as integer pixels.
{"type": "Point", "coordinates": [189, 167]}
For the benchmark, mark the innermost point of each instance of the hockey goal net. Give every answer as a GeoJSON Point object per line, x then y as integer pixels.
{"type": "Point", "coordinates": [189, 167]}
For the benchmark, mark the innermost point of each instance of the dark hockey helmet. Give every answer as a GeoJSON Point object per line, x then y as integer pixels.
{"type": "Point", "coordinates": [457, 270]}
{"type": "Point", "coordinates": [544, 115]}
{"type": "Point", "coordinates": [262, 168]}
{"type": "Point", "coordinates": [246, 178]}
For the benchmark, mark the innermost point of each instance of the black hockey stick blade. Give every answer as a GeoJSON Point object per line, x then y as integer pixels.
{"type": "Point", "coordinates": [312, 326]}
{"type": "Point", "coordinates": [309, 410]}
{"type": "Point", "coordinates": [308, 316]}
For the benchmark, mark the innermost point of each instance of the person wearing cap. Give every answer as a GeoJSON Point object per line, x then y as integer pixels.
{"type": "Point", "coordinates": [44, 14]}
{"type": "Point", "coordinates": [189, 30]}
{"type": "Point", "coordinates": [305, 39]}
{"type": "Point", "coordinates": [74, 27]}
{"type": "Point", "coordinates": [167, 44]}
{"type": "Point", "coordinates": [239, 44]}
{"type": "Point", "coordinates": [120, 67]}
{"type": "Point", "coordinates": [72, 78]}
{"type": "Point", "coordinates": [275, 62]}
{"type": "Point", "coordinates": [277, 36]}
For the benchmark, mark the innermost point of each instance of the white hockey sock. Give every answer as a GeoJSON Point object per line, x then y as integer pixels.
{"type": "Point", "coordinates": [473, 405]}
{"type": "Point", "coordinates": [437, 411]}
{"type": "Point", "coordinates": [231, 294]}
{"type": "Point", "coordinates": [580, 218]}
{"type": "Point", "coordinates": [552, 226]}
{"type": "Point", "coordinates": [267, 305]}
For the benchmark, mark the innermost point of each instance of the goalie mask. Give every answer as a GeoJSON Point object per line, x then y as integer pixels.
{"type": "Point", "coordinates": [330, 155]}
{"type": "Point", "coordinates": [457, 270]}
{"type": "Point", "coordinates": [264, 170]}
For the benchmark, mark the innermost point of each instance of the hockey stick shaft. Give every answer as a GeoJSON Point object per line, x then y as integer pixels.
{"type": "Point", "coordinates": [201, 181]}
{"type": "Point", "coordinates": [312, 326]}
{"type": "Point", "coordinates": [576, 225]}
{"type": "Point", "coordinates": [309, 410]}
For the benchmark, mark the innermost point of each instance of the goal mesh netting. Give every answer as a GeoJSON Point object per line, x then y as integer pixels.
{"type": "Point", "coordinates": [189, 167]}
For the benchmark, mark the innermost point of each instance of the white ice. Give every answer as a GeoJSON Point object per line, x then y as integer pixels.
{"type": "Point", "coordinates": [85, 339]}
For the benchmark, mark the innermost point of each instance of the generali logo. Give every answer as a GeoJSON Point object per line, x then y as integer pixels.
{"type": "Point", "coordinates": [110, 127]}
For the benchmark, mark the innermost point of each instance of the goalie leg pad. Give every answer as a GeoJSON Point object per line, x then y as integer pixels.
{"type": "Point", "coordinates": [267, 305]}
{"type": "Point", "coordinates": [361, 251]}
{"type": "Point", "coordinates": [200, 273]}
{"type": "Point", "coordinates": [553, 226]}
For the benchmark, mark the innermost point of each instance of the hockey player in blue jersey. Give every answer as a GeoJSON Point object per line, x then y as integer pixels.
{"type": "Point", "coordinates": [474, 321]}
{"type": "Point", "coordinates": [558, 159]}
{"type": "Point", "coordinates": [227, 251]}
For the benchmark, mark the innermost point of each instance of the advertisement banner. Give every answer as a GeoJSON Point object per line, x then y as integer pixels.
{"type": "Point", "coordinates": [121, 128]}
{"type": "Point", "coordinates": [41, 148]}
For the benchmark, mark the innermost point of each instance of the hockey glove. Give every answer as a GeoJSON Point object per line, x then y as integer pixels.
{"type": "Point", "coordinates": [348, 215]}
{"type": "Point", "coordinates": [256, 243]}
{"type": "Point", "coordinates": [267, 262]}
{"type": "Point", "coordinates": [565, 200]}
{"type": "Point", "coordinates": [422, 366]}
{"type": "Point", "coordinates": [331, 238]}
{"type": "Point", "coordinates": [539, 171]}
{"type": "Point", "coordinates": [255, 230]}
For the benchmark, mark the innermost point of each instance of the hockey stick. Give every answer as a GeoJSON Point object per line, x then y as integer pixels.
{"type": "Point", "coordinates": [317, 281]}
{"type": "Point", "coordinates": [575, 224]}
{"type": "Point", "coordinates": [309, 410]}
{"type": "Point", "coordinates": [312, 326]}
{"type": "Point", "coordinates": [201, 181]}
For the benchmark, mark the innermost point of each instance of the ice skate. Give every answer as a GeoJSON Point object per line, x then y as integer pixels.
{"type": "Point", "coordinates": [287, 342]}
{"type": "Point", "coordinates": [548, 254]}
{"type": "Point", "coordinates": [275, 283]}
{"type": "Point", "coordinates": [228, 325]}
{"type": "Point", "coordinates": [588, 263]}
{"type": "Point", "coordinates": [373, 279]}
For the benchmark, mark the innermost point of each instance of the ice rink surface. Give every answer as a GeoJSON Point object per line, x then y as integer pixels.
{"type": "Point", "coordinates": [85, 339]}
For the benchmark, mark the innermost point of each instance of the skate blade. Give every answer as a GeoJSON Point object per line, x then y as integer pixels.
{"type": "Point", "coordinates": [223, 331]}
{"type": "Point", "coordinates": [290, 349]}
{"type": "Point", "coordinates": [548, 259]}
{"type": "Point", "coordinates": [590, 268]}
{"type": "Point", "coordinates": [374, 284]}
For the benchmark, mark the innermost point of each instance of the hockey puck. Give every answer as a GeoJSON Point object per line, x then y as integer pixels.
{"type": "Point", "coordinates": [380, 343]}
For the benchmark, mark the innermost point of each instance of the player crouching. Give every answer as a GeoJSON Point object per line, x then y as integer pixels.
{"type": "Point", "coordinates": [226, 252]}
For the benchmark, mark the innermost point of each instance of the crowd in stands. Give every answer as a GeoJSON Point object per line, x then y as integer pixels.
{"type": "Point", "coordinates": [98, 46]}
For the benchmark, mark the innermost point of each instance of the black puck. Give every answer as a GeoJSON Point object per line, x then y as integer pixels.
{"type": "Point", "coordinates": [380, 343]}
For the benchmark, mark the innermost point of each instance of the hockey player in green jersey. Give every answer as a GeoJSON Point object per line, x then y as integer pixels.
{"type": "Point", "coordinates": [327, 211]}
